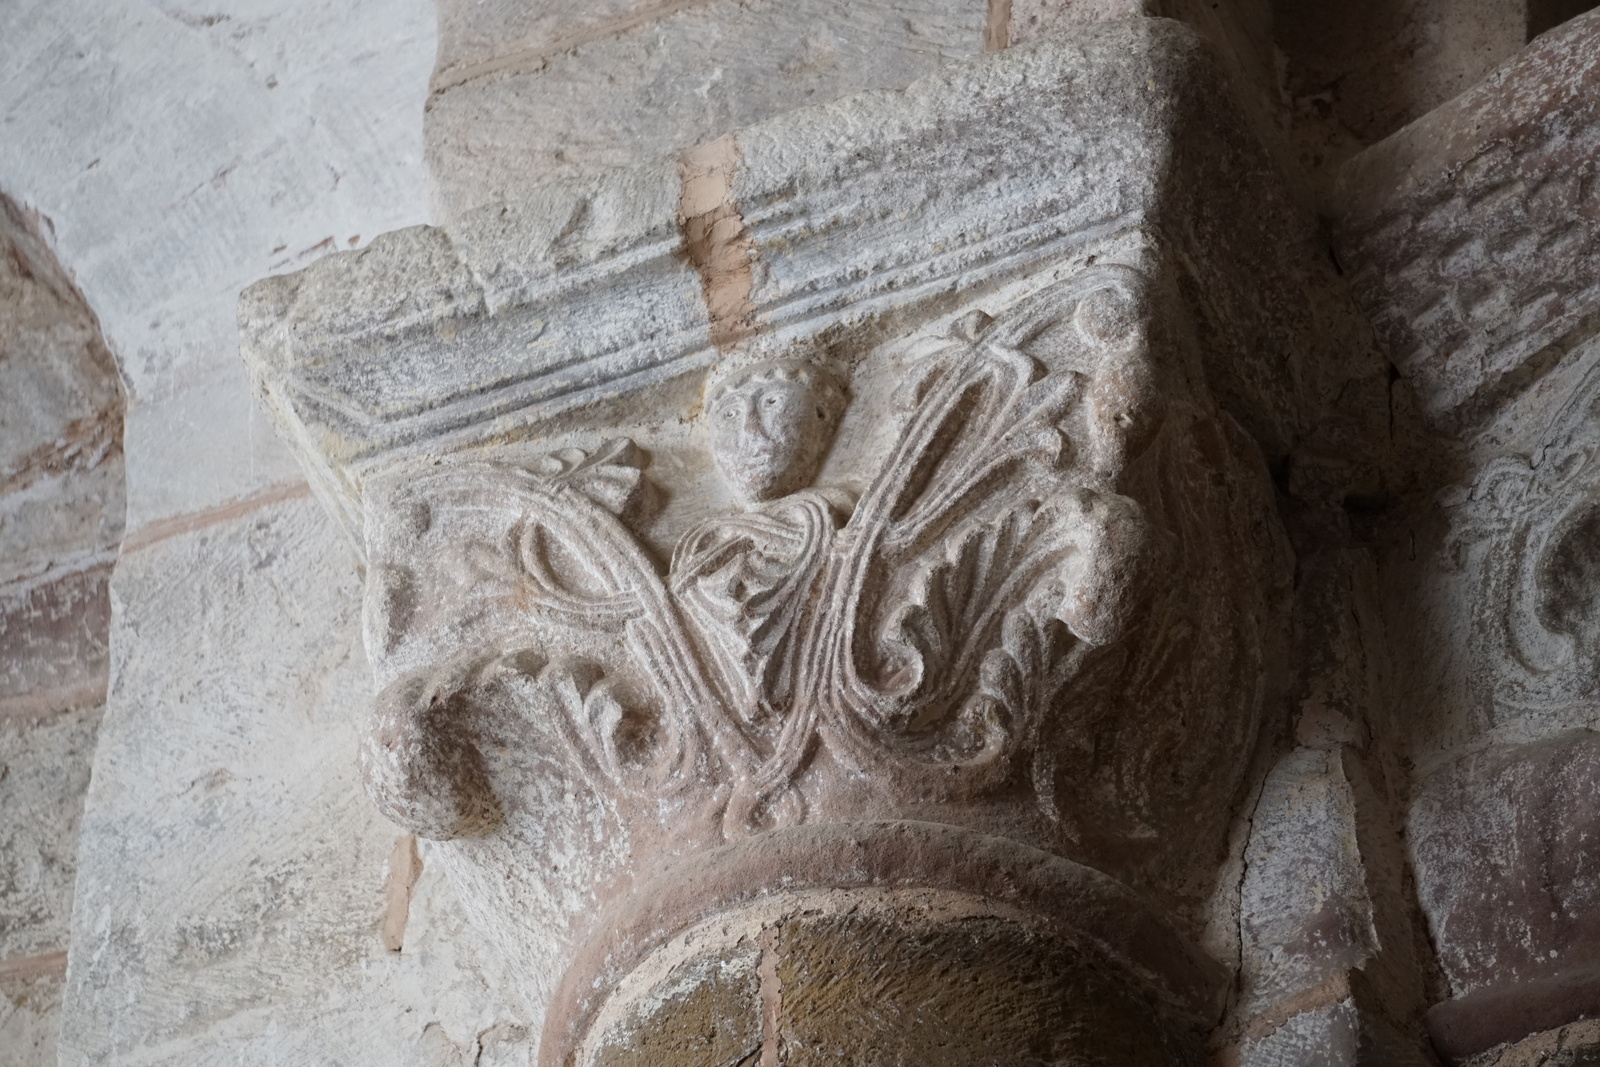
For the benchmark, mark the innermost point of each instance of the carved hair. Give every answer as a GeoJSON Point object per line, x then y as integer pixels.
{"type": "Point", "coordinates": [825, 383]}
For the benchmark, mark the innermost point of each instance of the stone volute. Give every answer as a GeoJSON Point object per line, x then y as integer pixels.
{"type": "Point", "coordinates": [823, 591]}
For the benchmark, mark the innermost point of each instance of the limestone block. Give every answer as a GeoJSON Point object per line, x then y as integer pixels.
{"type": "Point", "coordinates": [1500, 705]}
{"type": "Point", "coordinates": [1329, 969]}
{"type": "Point", "coordinates": [527, 93]}
{"type": "Point", "coordinates": [471, 34]}
{"type": "Point", "coordinates": [61, 496]}
{"type": "Point", "coordinates": [61, 514]}
{"type": "Point", "coordinates": [58, 384]}
{"type": "Point", "coordinates": [1240, 31]}
{"type": "Point", "coordinates": [1306, 915]}
{"type": "Point", "coordinates": [1473, 235]}
{"type": "Point", "coordinates": [66, 520]}
{"type": "Point", "coordinates": [233, 887]}
{"type": "Point", "coordinates": [29, 1019]}
{"type": "Point", "coordinates": [46, 770]}
{"type": "Point", "coordinates": [203, 449]}
{"type": "Point", "coordinates": [1501, 607]}
{"type": "Point", "coordinates": [53, 641]}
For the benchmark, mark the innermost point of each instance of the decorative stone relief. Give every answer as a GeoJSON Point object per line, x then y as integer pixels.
{"type": "Point", "coordinates": [1502, 823]}
{"type": "Point", "coordinates": [1054, 586]}
{"type": "Point", "coordinates": [1531, 527]}
{"type": "Point", "coordinates": [915, 571]}
{"type": "Point", "coordinates": [921, 632]}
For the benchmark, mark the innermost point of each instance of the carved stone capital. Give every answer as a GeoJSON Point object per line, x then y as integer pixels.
{"type": "Point", "coordinates": [851, 538]}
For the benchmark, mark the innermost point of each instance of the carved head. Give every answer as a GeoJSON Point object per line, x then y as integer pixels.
{"type": "Point", "coordinates": [771, 424]}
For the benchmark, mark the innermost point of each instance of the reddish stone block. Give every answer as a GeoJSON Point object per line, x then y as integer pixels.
{"type": "Point", "coordinates": [53, 652]}
{"type": "Point", "coordinates": [1506, 847]}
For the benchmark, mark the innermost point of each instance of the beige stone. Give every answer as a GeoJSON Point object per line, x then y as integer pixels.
{"type": "Point", "coordinates": [652, 642]}
{"type": "Point", "coordinates": [525, 94]}
{"type": "Point", "coordinates": [726, 301]}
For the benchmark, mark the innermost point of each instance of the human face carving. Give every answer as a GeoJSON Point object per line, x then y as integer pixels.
{"type": "Point", "coordinates": [767, 436]}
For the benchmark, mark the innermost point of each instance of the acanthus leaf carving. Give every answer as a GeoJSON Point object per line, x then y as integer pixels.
{"type": "Point", "coordinates": [955, 630]}
{"type": "Point", "coordinates": [1530, 526]}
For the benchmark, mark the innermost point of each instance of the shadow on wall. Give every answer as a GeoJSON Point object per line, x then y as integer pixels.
{"type": "Point", "coordinates": [1355, 72]}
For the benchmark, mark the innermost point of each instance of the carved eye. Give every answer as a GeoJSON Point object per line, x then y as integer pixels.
{"type": "Point", "coordinates": [771, 401]}
{"type": "Point", "coordinates": [728, 414]}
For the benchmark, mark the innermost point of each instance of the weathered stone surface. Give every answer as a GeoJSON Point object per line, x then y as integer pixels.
{"type": "Point", "coordinates": [1240, 32]}
{"type": "Point", "coordinates": [61, 483]}
{"type": "Point", "coordinates": [525, 93]}
{"type": "Point", "coordinates": [29, 1019]}
{"type": "Point", "coordinates": [1307, 916]}
{"type": "Point", "coordinates": [921, 978]}
{"type": "Point", "coordinates": [44, 770]}
{"type": "Point", "coordinates": [1495, 598]}
{"type": "Point", "coordinates": [972, 989]}
{"type": "Point", "coordinates": [1348, 1031]}
{"type": "Point", "coordinates": [1473, 235]}
{"type": "Point", "coordinates": [61, 516]}
{"type": "Point", "coordinates": [1505, 845]}
{"type": "Point", "coordinates": [1577, 1045]}
{"type": "Point", "coordinates": [270, 133]}
{"type": "Point", "coordinates": [53, 634]}
{"type": "Point", "coordinates": [707, 1009]}
{"type": "Point", "coordinates": [1500, 604]}
{"type": "Point", "coordinates": [872, 965]}
{"type": "Point", "coordinates": [512, 316]}
{"type": "Point", "coordinates": [1330, 972]}
{"type": "Point", "coordinates": [263, 136]}
{"type": "Point", "coordinates": [729, 265]}
{"type": "Point", "coordinates": [912, 305]}
{"type": "Point", "coordinates": [231, 893]}
{"type": "Point", "coordinates": [60, 412]}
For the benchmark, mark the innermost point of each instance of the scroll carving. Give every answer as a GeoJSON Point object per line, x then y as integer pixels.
{"type": "Point", "coordinates": [1534, 522]}
{"type": "Point", "coordinates": [1056, 588]}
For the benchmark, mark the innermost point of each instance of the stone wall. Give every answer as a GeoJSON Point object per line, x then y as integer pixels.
{"type": "Point", "coordinates": [233, 890]}
{"type": "Point", "coordinates": [61, 508]}
{"type": "Point", "coordinates": [1406, 875]}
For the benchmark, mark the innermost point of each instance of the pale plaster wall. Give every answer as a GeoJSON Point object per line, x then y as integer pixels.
{"type": "Point", "coordinates": [231, 882]}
